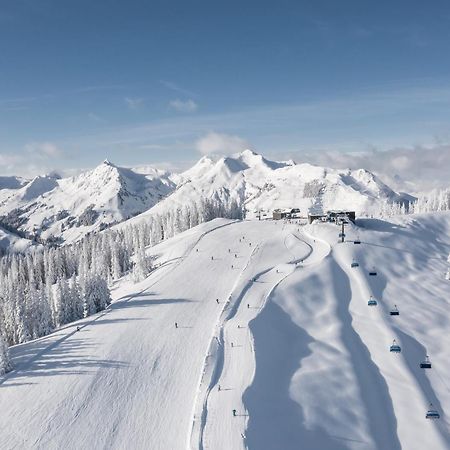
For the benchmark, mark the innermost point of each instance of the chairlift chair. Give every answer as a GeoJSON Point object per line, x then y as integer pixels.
{"type": "Point", "coordinates": [426, 364]}
{"type": "Point", "coordinates": [432, 413]}
{"type": "Point", "coordinates": [354, 264]}
{"type": "Point", "coordinates": [373, 273]}
{"type": "Point", "coordinates": [357, 241]}
{"type": "Point", "coordinates": [372, 302]}
{"type": "Point", "coordinates": [394, 311]}
{"type": "Point", "coordinates": [395, 348]}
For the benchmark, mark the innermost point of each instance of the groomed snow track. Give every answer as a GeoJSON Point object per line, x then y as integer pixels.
{"type": "Point", "coordinates": [275, 316]}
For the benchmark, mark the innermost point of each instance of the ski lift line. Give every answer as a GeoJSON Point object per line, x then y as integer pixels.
{"type": "Point", "coordinates": [363, 282]}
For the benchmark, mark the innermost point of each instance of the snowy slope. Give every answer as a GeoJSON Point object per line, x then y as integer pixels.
{"type": "Point", "coordinates": [292, 343]}
{"type": "Point", "coordinates": [265, 185]}
{"type": "Point", "coordinates": [71, 207]}
{"type": "Point", "coordinates": [12, 182]}
{"type": "Point", "coordinates": [12, 243]}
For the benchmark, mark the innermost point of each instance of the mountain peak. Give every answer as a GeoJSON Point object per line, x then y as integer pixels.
{"type": "Point", "coordinates": [248, 152]}
{"type": "Point", "coordinates": [107, 162]}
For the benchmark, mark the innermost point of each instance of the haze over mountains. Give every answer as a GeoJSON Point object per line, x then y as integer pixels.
{"type": "Point", "coordinates": [68, 208]}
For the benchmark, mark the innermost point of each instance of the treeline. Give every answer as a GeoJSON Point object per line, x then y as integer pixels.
{"type": "Point", "coordinates": [43, 290]}
{"type": "Point", "coordinates": [434, 201]}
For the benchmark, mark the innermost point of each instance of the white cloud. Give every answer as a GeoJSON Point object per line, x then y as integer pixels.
{"type": "Point", "coordinates": [176, 88]}
{"type": "Point", "coordinates": [410, 169]}
{"type": "Point", "coordinates": [44, 149]}
{"type": "Point", "coordinates": [8, 161]}
{"type": "Point", "coordinates": [134, 102]}
{"type": "Point", "coordinates": [96, 118]}
{"type": "Point", "coordinates": [188, 106]}
{"type": "Point", "coordinates": [219, 143]}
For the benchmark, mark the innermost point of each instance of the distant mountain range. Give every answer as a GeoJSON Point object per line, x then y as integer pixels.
{"type": "Point", "coordinates": [68, 208]}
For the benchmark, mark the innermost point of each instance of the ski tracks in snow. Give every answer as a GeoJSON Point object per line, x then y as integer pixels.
{"type": "Point", "coordinates": [231, 348]}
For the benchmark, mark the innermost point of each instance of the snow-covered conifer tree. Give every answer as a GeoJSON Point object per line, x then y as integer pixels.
{"type": "Point", "coordinates": [5, 363]}
{"type": "Point", "coordinates": [96, 295]}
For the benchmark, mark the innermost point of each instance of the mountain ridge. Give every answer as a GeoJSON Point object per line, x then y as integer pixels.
{"type": "Point", "coordinates": [68, 208]}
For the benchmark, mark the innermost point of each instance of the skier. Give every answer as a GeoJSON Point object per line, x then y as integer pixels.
{"type": "Point", "coordinates": [217, 300]}
{"type": "Point", "coordinates": [78, 328]}
{"type": "Point", "coordinates": [248, 306]}
{"type": "Point", "coordinates": [212, 258]}
{"type": "Point", "coordinates": [229, 250]}
{"type": "Point", "coordinates": [196, 250]}
{"type": "Point", "coordinates": [235, 255]}
{"type": "Point", "coordinates": [176, 325]}
{"type": "Point", "coordinates": [232, 266]}
{"type": "Point", "coordinates": [234, 413]}
{"type": "Point", "coordinates": [219, 387]}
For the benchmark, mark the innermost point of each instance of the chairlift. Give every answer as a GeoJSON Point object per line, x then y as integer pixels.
{"type": "Point", "coordinates": [357, 241]}
{"type": "Point", "coordinates": [426, 364]}
{"type": "Point", "coordinates": [432, 413]}
{"type": "Point", "coordinates": [395, 348]}
{"type": "Point", "coordinates": [354, 264]}
{"type": "Point", "coordinates": [394, 311]}
{"type": "Point", "coordinates": [372, 302]}
{"type": "Point", "coordinates": [373, 273]}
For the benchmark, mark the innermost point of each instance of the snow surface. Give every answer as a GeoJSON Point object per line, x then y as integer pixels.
{"type": "Point", "coordinates": [54, 206]}
{"type": "Point", "coordinates": [292, 343]}
{"type": "Point", "coordinates": [263, 185]}
{"type": "Point", "coordinates": [12, 243]}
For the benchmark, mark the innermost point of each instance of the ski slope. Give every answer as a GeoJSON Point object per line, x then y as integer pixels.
{"type": "Point", "coordinates": [272, 322]}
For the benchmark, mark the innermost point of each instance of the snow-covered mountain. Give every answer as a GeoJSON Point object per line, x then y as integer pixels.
{"type": "Point", "coordinates": [275, 346]}
{"type": "Point", "coordinates": [12, 182]}
{"type": "Point", "coordinates": [12, 242]}
{"type": "Point", "coordinates": [261, 184]}
{"type": "Point", "coordinates": [68, 208]}
{"type": "Point", "coordinates": [71, 207]}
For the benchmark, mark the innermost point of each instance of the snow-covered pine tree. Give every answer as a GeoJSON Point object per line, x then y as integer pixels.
{"type": "Point", "coordinates": [96, 295]}
{"type": "Point", "coordinates": [5, 362]}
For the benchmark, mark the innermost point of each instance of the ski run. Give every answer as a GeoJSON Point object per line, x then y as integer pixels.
{"type": "Point", "coordinates": [252, 335]}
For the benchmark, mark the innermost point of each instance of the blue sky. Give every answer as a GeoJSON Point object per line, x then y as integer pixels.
{"type": "Point", "coordinates": [163, 82]}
